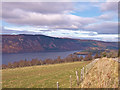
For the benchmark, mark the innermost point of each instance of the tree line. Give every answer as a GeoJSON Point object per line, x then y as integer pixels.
{"type": "Point", "coordinates": [69, 58]}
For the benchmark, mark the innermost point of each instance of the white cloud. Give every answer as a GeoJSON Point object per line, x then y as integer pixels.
{"type": "Point", "coordinates": [109, 6]}
{"type": "Point", "coordinates": [38, 7]}
{"type": "Point", "coordinates": [52, 20]}
{"type": "Point", "coordinates": [40, 14]}
{"type": "Point", "coordinates": [76, 34]}
{"type": "Point", "coordinates": [112, 0]}
{"type": "Point", "coordinates": [55, 19]}
{"type": "Point", "coordinates": [107, 16]}
{"type": "Point", "coordinates": [104, 27]}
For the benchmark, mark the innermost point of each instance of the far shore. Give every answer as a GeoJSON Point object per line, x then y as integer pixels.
{"type": "Point", "coordinates": [81, 53]}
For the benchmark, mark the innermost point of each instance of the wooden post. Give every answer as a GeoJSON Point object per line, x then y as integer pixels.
{"type": "Point", "coordinates": [77, 78]}
{"type": "Point", "coordinates": [83, 72]}
{"type": "Point", "coordinates": [86, 70]}
{"type": "Point", "coordinates": [118, 80]}
{"type": "Point", "coordinates": [57, 85]}
{"type": "Point", "coordinates": [70, 81]}
{"type": "Point", "coordinates": [81, 76]}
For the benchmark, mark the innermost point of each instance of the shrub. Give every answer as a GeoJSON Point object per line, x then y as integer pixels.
{"type": "Point", "coordinates": [96, 56]}
{"type": "Point", "coordinates": [88, 57]}
{"type": "Point", "coordinates": [103, 54]}
{"type": "Point", "coordinates": [119, 53]}
{"type": "Point", "coordinates": [81, 58]}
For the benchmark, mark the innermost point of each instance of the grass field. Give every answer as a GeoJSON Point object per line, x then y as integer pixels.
{"type": "Point", "coordinates": [44, 76]}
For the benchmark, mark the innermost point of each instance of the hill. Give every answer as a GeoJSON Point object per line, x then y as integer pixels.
{"type": "Point", "coordinates": [44, 76]}
{"type": "Point", "coordinates": [38, 43]}
{"type": "Point", "coordinates": [104, 74]}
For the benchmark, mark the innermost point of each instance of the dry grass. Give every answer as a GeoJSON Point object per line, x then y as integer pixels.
{"type": "Point", "coordinates": [104, 74]}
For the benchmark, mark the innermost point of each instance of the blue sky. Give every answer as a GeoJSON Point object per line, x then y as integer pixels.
{"type": "Point", "coordinates": [87, 9]}
{"type": "Point", "coordinates": [83, 20]}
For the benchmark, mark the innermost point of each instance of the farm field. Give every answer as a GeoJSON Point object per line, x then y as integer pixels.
{"type": "Point", "coordinates": [45, 76]}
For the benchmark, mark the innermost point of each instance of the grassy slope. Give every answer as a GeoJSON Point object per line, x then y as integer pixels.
{"type": "Point", "coordinates": [44, 76]}
{"type": "Point", "coordinates": [104, 74]}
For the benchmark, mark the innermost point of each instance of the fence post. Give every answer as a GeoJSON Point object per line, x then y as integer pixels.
{"type": "Point", "coordinates": [83, 72]}
{"type": "Point", "coordinates": [70, 81]}
{"type": "Point", "coordinates": [81, 76]}
{"type": "Point", "coordinates": [57, 85]}
{"type": "Point", "coordinates": [77, 78]}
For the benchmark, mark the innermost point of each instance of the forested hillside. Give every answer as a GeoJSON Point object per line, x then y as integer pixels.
{"type": "Point", "coordinates": [38, 43]}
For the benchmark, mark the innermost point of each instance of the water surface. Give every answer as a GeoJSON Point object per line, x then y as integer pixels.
{"type": "Point", "coordinates": [29, 56]}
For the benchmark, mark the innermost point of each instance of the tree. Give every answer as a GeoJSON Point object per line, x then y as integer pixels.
{"type": "Point", "coordinates": [10, 65]}
{"type": "Point", "coordinates": [81, 58]}
{"type": "Point", "coordinates": [29, 63]}
{"type": "Point", "coordinates": [15, 64]}
{"type": "Point", "coordinates": [96, 56]}
{"type": "Point", "coordinates": [48, 61]}
{"type": "Point", "coordinates": [21, 63]}
{"type": "Point", "coordinates": [119, 53]}
{"type": "Point", "coordinates": [104, 54]}
{"type": "Point", "coordinates": [88, 57]}
{"type": "Point", "coordinates": [4, 66]}
{"type": "Point", "coordinates": [26, 64]}
{"type": "Point", "coordinates": [69, 58]}
{"type": "Point", "coordinates": [75, 58]}
{"type": "Point", "coordinates": [40, 62]}
{"type": "Point", "coordinates": [34, 62]}
{"type": "Point", "coordinates": [58, 59]}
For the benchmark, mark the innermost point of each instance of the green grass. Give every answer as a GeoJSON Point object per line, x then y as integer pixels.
{"type": "Point", "coordinates": [44, 76]}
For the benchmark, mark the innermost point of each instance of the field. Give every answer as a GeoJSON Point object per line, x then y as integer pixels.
{"type": "Point", "coordinates": [104, 74]}
{"type": "Point", "coordinates": [45, 76]}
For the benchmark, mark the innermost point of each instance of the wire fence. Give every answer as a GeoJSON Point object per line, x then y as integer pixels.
{"type": "Point", "coordinates": [83, 73]}
{"type": "Point", "coordinates": [86, 69]}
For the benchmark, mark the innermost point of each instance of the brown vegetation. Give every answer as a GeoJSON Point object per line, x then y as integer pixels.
{"type": "Point", "coordinates": [88, 57]}
{"type": "Point", "coordinates": [104, 74]}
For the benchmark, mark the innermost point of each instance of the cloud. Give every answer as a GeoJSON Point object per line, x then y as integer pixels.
{"type": "Point", "coordinates": [76, 34]}
{"type": "Point", "coordinates": [56, 19]}
{"type": "Point", "coordinates": [109, 6]}
{"type": "Point", "coordinates": [52, 14]}
{"type": "Point", "coordinates": [53, 20]}
{"type": "Point", "coordinates": [112, 0]}
{"type": "Point", "coordinates": [13, 14]}
{"type": "Point", "coordinates": [10, 31]}
{"type": "Point", "coordinates": [106, 16]}
{"type": "Point", "coordinates": [39, 7]}
{"type": "Point", "coordinates": [104, 27]}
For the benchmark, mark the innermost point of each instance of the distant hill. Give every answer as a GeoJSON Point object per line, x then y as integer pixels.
{"type": "Point", "coordinates": [38, 43]}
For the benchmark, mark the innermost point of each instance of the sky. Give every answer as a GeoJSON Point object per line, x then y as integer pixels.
{"type": "Point", "coordinates": [79, 20]}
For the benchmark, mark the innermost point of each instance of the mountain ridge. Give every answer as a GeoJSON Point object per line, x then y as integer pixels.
{"type": "Point", "coordinates": [39, 43]}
